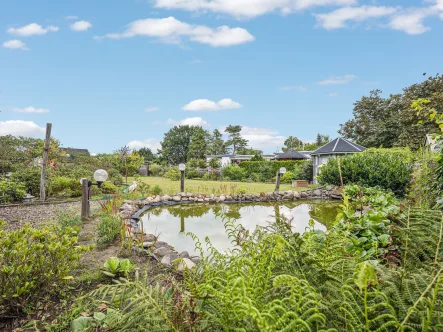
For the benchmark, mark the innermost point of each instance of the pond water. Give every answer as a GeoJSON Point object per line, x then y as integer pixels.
{"type": "Point", "coordinates": [172, 223]}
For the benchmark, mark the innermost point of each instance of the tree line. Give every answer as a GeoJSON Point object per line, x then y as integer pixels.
{"type": "Point", "coordinates": [392, 122]}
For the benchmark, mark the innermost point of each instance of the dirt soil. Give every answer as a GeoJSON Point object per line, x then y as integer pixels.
{"type": "Point", "coordinates": [39, 215]}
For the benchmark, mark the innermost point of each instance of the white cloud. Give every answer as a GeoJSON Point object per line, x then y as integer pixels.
{"type": "Point", "coordinates": [30, 109]}
{"type": "Point", "coordinates": [345, 79]}
{"type": "Point", "coordinates": [294, 88]}
{"type": "Point", "coordinates": [338, 18]}
{"type": "Point", "coordinates": [211, 106]}
{"type": "Point", "coordinates": [248, 8]}
{"type": "Point", "coordinates": [81, 26]}
{"type": "Point", "coordinates": [151, 143]}
{"type": "Point", "coordinates": [171, 30]}
{"type": "Point", "coordinates": [196, 121]}
{"type": "Point", "coordinates": [412, 21]}
{"type": "Point", "coordinates": [152, 109]}
{"type": "Point", "coordinates": [71, 17]}
{"type": "Point", "coordinates": [262, 138]}
{"type": "Point", "coordinates": [20, 128]}
{"type": "Point", "coordinates": [333, 94]}
{"type": "Point", "coordinates": [32, 29]}
{"type": "Point", "coordinates": [15, 45]}
{"type": "Point", "coordinates": [196, 62]}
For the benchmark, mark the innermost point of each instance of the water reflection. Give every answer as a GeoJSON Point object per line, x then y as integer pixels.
{"type": "Point", "coordinates": [172, 223]}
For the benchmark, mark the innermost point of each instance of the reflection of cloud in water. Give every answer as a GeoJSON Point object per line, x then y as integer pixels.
{"type": "Point", "coordinates": [209, 225]}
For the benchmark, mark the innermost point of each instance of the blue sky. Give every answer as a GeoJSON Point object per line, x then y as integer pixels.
{"type": "Point", "coordinates": [116, 72]}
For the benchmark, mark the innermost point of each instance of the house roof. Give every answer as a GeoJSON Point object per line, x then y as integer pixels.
{"type": "Point", "coordinates": [339, 146]}
{"type": "Point", "coordinates": [291, 154]}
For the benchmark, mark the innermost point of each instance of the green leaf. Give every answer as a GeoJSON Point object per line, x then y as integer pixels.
{"type": "Point", "coordinates": [365, 274]}
{"type": "Point", "coordinates": [80, 324]}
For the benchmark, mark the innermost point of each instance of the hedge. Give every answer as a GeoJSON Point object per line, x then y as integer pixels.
{"type": "Point", "coordinates": [266, 170]}
{"type": "Point", "coordinates": [389, 169]}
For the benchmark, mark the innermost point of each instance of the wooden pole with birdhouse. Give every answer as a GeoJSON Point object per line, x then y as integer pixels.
{"type": "Point", "coordinates": [45, 162]}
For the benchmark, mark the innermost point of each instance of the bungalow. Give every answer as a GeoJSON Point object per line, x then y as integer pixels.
{"type": "Point", "coordinates": [337, 147]}
{"type": "Point", "coordinates": [291, 154]}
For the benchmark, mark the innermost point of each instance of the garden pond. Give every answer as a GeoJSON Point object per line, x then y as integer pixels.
{"type": "Point", "coordinates": [172, 223]}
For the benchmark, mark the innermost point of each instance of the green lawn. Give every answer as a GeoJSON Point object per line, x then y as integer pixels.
{"type": "Point", "coordinates": [212, 187]}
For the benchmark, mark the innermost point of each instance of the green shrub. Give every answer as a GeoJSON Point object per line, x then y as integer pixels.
{"type": "Point", "coordinates": [173, 174]}
{"type": "Point", "coordinates": [107, 229]}
{"type": "Point", "coordinates": [29, 177]}
{"type": "Point", "coordinates": [196, 163]}
{"type": "Point", "coordinates": [156, 190]}
{"type": "Point", "coordinates": [11, 191]}
{"type": "Point", "coordinates": [35, 263]}
{"type": "Point", "coordinates": [209, 177]}
{"type": "Point", "coordinates": [389, 169]}
{"type": "Point", "coordinates": [157, 170]}
{"type": "Point", "coordinates": [116, 268]}
{"type": "Point", "coordinates": [192, 173]}
{"type": "Point", "coordinates": [115, 177]}
{"type": "Point", "coordinates": [65, 186]}
{"type": "Point", "coordinates": [234, 173]}
{"type": "Point", "coordinates": [108, 188]}
{"type": "Point", "coordinates": [304, 171]}
{"type": "Point", "coordinates": [214, 163]}
{"type": "Point", "coordinates": [287, 177]}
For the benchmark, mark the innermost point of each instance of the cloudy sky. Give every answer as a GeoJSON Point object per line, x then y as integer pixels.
{"type": "Point", "coordinates": [116, 72]}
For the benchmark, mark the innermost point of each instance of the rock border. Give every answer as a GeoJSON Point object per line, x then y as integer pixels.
{"type": "Point", "coordinates": [163, 252]}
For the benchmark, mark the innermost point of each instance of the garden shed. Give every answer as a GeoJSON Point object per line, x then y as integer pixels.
{"type": "Point", "coordinates": [291, 154]}
{"type": "Point", "coordinates": [334, 148]}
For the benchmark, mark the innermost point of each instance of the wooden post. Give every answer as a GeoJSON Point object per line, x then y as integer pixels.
{"type": "Point", "coordinates": [339, 170]}
{"type": "Point", "coordinates": [45, 161]}
{"type": "Point", "coordinates": [85, 199]}
{"type": "Point", "coordinates": [182, 181]}
{"type": "Point", "coordinates": [277, 182]}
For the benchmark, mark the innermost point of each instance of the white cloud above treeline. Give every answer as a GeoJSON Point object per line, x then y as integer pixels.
{"type": "Point", "coordinates": [151, 143]}
{"type": "Point", "coordinates": [248, 8]}
{"type": "Point", "coordinates": [345, 79]}
{"type": "Point", "coordinates": [152, 109]}
{"type": "Point", "coordinates": [15, 44]}
{"type": "Point", "coordinates": [30, 109]}
{"type": "Point", "coordinates": [32, 29]}
{"type": "Point", "coordinates": [171, 30]}
{"type": "Point", "coordinates": [206, 105]}
{"type": "Point", "coordinates": [20, 128]}
{"type": "Point", "coordinates": [81, 26]}
{"type": "Point", "coordinates": [195, 121]}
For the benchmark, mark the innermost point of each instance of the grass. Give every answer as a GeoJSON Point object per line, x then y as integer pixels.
{"type": "Point", "coordinates": [213, 187]}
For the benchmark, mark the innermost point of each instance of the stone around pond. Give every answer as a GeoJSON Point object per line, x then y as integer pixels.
{"type": "Point", "coordinates": [184, 254]}
{"type": "Point", "coordinates": [163, 251]}
{"type": "Point", "coordinates": [168, 259]}
{"type": "Point", "coordinates": [185, 264]}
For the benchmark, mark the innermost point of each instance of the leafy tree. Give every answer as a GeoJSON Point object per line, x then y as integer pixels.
{"type": "Point", "coordinates": [146, 153]}
{"type": "Point", "coordinates": [391, 122]}
{"type": "Point", "coordinates": [321, 140]}
{"type": "Point", "coordinates": [249, 151]}
{"type": "Point", "coordinates": [216, 144]}
{"type": "Point", "coordinates": [198, 144]}
{"type": "Point", "coordinates": [175, 145]}
{"type": "Point", "coordinates": [292, 142]}
{"type": "Point", "coordinates": [235, 138]}
{"type": "Point", "coordinates": [123, 154]}
{"type": "Point", "coordinates": [257, 157]}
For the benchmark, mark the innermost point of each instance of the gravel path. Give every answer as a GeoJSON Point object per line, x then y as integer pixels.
{"type": "Point", "coordinates": [36, 215]}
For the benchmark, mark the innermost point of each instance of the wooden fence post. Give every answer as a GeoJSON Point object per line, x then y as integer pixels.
{"type": "Point", "coordinates": [45, 161]}
{"type": "Point", "coordinates": [182, 181]}
{"type": "Point", "coordinates": [85, 199]}
{"type": "Point", "coordinates": [277, 182]}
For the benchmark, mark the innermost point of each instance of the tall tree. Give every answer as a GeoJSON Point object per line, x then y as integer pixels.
{"type": "Point", "coordinates": [216, 144]}
{"type": "Point", "coordinates": [123, 154]}
{"type": "Point", "coordinates": [292, 142]}
{"type": "Point", "coordinates": [390, 122]}
{"type": "Point", "coordinates": [249, 151]}
{"type": "Point", "coordinates": [321, 140]}
{"type": "Point", "coordinates": [175, 145]}
{"type": "Point", "coordinates": [146, 153]}
{"type": "Point", "coordinates": [235, 139]}
{"type": "Point", "coordinates": [198, 144]}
